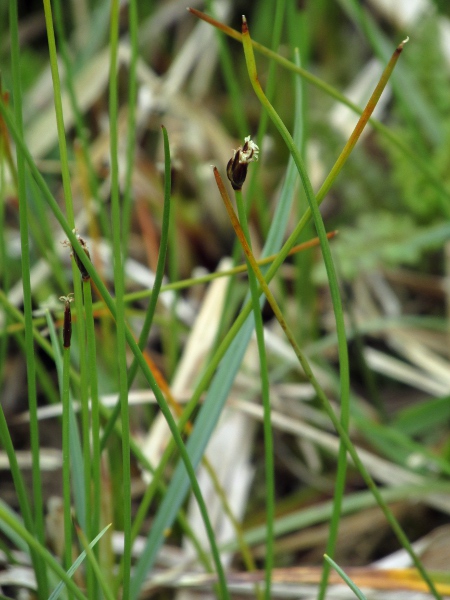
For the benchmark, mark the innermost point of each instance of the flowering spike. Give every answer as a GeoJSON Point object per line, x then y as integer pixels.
{"type": "Point", "coordinates": [238, 164]}
{"type": "Point", "coordinates": [84, 273]}
{"type": "Point", "coordinates": [67, 327]}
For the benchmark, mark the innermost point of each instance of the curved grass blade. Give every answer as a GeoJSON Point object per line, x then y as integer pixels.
{"type": "Point", "coordinates": [59, 588]}
{"type": "Point", "coordinates": [355, 589]}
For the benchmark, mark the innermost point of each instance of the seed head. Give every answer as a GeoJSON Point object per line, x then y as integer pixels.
{"type": "Point", "coordinates": [84, 273]}
{"type": "Point", "coordinates": [238, 164]}
{"type": "Point", "coordinates": [67, 327]}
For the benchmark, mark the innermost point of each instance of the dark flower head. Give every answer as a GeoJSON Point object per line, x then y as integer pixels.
{"type": "Point", "coordinates": [67, 328]}
{"type": "Point", "coordinates": [84, 273]}
{"type": "Point", "coordinates": [238, 164]}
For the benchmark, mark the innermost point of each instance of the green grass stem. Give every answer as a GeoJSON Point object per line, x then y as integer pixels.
{"type": "Point", "coordinates": [96, 477]}
{"type": "Point", "coordinates": [75, 450]}
{"type": "Point", "coordinates": [59, 588]}
{"type": "Point", "coordinates": [259, 198]}
{"type": "Point", "coordinates": [265, 394]}
{"type": "Point", "coordinates": [122, 333]}
{"type": "Point", "coordinates": [78, 118]}
{"type": "Point", "coordinates": [171, 335]}
{"type": "Point", "coordinates": [119, 286]}
{"type": "Point", "coordinates": [159, 275]}
{"type": "Point", "coordinates": [133, 21]}
{"type": "Point", "coordinates": [91, 557]}
{"type": "Point", "coordinates": [85, 416]}
{"type": "Point", "coordinates": [355, 589]}
{"type": "Point", "coordinates": [4, 256]}
{"type": "Point", "coordinates": [232, 84]}
{"type": "Point", "coordinates": [333, 285]}
{"type": "Point", "coordinates": [66, 179]}
{"type": "Point", "coordinates": [38, 529]}
{"type": "Point", "coordinates": [65, 171]}
{"type": "Point", "coordinates": [43, 235]}
{"type": "Point", "coordinates": [67, 500]}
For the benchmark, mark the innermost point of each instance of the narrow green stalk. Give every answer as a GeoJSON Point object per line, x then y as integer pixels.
{"type": "Point", "coordinates": [368, 110]}
{"type": "Point", "coordinates": [65, 399]}
{"type": "Point", "coordinates": [159, 275]}
{"type": "Point", "coordinates": [100, 576]}
{"type": "Point", "coordinates": [78, 117]}
{"type": "Point", "coordinates": [95, 414]}
{"type": "Point", "coordinates": [144, 506]}
{"type": "Point", "coordinates": [342, 346]}
{"type": "Point", "coordinates": [41, 228]}
{"type": "Point", "coordinates": [119, 286]}
{"type": "Point", "coordinates": [131, 125]}
{"type": "Point", "coordinates": [304, 293]}
{"type": "Point", "coordinates": [59, 588]}
{"type": "Point", "coordinates": [65, 173]}
{"type": "Point", "coordinates": [243, 547]}
{"type": "Point", "coordinates": [38, 529]}
{"type": "Point", "coordinates": [76, 456]}
{"type": "Point", "coordinates": [333, 285]}
{"type": "Point", "coordinates": [171, 335]}
{"type": "Point", "coordinates": [4, 256]}
{"type": "Point", "coordinates": [260, 200]}
{"type": "Point", "coordinates": [59, 112]}
{"type": "Point", "coordinates": [355, 589]}
{"type": "Point", "coordinates": [85, 419]}
{"type": "Point", "coordinates": [234, 91]}
{"type": "Point", "coordinates": [264, 376]}
{"type": "Point", "coordinates": [342, 431]}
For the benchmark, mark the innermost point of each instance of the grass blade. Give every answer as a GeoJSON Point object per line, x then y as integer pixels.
{"type": "Point", "coordinates": [355, 589]}
{"type": "Point", "coordinates": [38, 527]}
{"type": "Point", "coordinates": [59, 588]}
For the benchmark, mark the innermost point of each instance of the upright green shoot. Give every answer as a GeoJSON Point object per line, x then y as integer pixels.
{"type": "Point", "coordinates": [334, 289]}
{"type": "Point", "coordinates": [119, 285]}
{"type": "Point", "coordinates": [237, 172]}
{"type": "Point", "coordinates": [38, 527]}
{"type": "Point", "coordinates": [65, 400]}
{"type": "Point", "coordinates": [66, 179]}
{"type": "Point", "coordinates": [264, 376]}
{"type": "Point", "coordinates": [95, 412]}
{"type": "Point", "coordinates": [133, 21]}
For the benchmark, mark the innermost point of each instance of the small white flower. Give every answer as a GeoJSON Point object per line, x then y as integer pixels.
{"type": "Point", "coordinates": [249, 152]}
